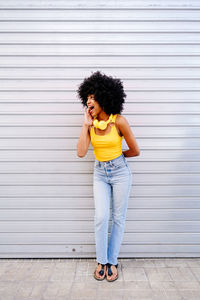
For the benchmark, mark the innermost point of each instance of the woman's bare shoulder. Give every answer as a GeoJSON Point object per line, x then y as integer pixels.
{"type": "Point", "coordinates": [121, 120]}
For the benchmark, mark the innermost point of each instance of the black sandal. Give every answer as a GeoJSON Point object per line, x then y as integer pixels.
{"type": "Point", "coordinates": [101, 272]}
{"type": "Point", "coordinates": [110, 272]}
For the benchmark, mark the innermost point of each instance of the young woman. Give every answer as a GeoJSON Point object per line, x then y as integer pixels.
{"type": "Point", "coordinates": [105, 127]}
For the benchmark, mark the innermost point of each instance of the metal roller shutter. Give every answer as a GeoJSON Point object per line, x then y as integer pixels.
{"type": "Point", "coordinates": [47, 48]}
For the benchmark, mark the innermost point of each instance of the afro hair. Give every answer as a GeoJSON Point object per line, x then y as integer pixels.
{"type": "Point", "coordinates": [108, 92]}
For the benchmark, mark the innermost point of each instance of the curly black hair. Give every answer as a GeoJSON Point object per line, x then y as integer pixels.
{"type": "Point", "coordinates": [108, 92]}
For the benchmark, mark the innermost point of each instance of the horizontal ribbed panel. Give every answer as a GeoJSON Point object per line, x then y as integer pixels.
{"type": "Point", "coordinates": [46, 49]}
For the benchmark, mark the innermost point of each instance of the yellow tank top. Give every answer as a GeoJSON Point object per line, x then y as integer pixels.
{"type": "Point", "coordinates": [108, 146]}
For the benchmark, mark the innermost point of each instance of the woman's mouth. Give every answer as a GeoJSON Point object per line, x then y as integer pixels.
{"type": "Point", "coordinates": [91, 109]}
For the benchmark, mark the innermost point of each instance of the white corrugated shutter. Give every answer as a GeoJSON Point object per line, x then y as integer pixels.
{"type": "Point", "coordinates": [47, 48]}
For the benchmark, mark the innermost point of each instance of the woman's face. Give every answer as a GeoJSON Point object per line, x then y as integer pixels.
{"type": "Point", "coordinates": [93, 106]}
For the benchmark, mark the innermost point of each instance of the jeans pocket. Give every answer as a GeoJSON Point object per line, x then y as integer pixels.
{"type": "Point", "coordinates": [127, 165]}
{"type": "Point", "coordinates": [120, 164]}
{"type": "Point", "coordinates": [125, 161]}
{"type": "Point", "coordinates": [96, 164]}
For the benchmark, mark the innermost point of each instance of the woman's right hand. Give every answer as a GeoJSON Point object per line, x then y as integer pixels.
{"type": "Point", "coordinates": [87, 118]}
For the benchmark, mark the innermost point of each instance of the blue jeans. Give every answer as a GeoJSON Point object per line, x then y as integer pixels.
{"type": "Point", "coordinates": [111, 180]}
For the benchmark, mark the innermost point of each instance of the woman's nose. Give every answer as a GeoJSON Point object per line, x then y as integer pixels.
{"type": "Point", "coordinates": [89, 101]}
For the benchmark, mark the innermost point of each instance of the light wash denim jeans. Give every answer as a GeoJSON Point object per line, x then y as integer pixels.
{"type": "Point", "coordinates": [111, 181]}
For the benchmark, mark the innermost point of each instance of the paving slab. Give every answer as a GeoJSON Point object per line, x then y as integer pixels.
{"type": "Point", "coordinates": [72, 279]}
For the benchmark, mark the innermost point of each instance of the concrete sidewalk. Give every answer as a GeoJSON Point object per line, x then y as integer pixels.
{"type": "Point", "coordinates": [63, 279]}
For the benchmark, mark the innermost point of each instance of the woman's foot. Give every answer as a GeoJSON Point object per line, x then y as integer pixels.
{"type": "Point", "coordinates": [100, 272]}
{"type": "Point", "coordinates": [111, 272]}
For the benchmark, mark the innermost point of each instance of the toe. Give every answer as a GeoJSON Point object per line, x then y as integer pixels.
{"type": "Point", "coordinates": [114, 275]}
{"type": "Point", "coordinates": [97, 273]}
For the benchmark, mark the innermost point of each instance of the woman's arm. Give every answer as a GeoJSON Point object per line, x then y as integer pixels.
{"type": "Point", "coordinates": [84, 140]}
{"type": "Point", "coordinates": [126, 131]}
